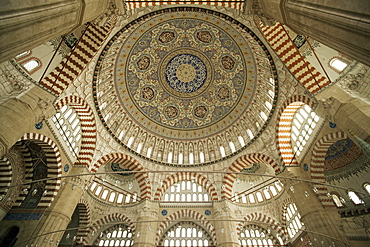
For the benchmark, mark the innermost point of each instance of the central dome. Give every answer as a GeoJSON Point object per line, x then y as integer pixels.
{"type": "Point", "coordinates": [183, 74]}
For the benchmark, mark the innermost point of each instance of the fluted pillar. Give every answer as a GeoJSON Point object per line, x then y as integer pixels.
{"type": "Point", "coordinates": [225, 225]}
{"type": "Point", "coordinates": [323, 225]}
{"type": "Point", "coordinates": [146, 229]}
{"type": "Point", "coordinates": [58, 215]}
{"type": "Point", "coordinates": [341, 25]}
{"type": "Point", "coordinates": [27, 24]}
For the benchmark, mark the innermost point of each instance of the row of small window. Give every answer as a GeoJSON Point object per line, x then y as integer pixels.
{"type": "Point", "coordinates": [180, 158]}
{"type": "Point", "coordinates": [68, 124]}
{"type": "Point", "coordinates": [111, 196]}
{"type": "Point", "coordinates": [186, 191]}
{"type": "Point", "coordinates": [304, 122]}
{"type": "Point", "coordinates": [185, 232]}
{"type": "Point", "coordinates": [293, 219]}
{"type": "Point", "coordinates": [112, 242]}
{"type": "Point", "coordinates": [356, 199]}
{"type": "Point", "coordinates": [115, 236]}
{"type": "Point", "coordinates": [266, 194]}
{"type": "Point", "coordinates": [183, 242]}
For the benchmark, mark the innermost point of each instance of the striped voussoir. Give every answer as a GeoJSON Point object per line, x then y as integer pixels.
{"type": "Point", "coordinates": [241, 163]}
{"type": "Point", "coordinates": [175, 178]}
{"type": "Point", "coordinates": [267, 222]}
{"type": "Point", "coordinates": [5, 175]}
{"type": "Point", "coordinates": [145, 3]}
{"type": "Point", "coordinates": [88, 128]}
{"type": "Point", "coordinates": [298, 65]}
{"type": "Point", "coordinates": [186, 213]}
{"type": "Point", "coordinates": [318, 163]}
{"type": "Point", "coordinates": [107, 222]}
{"type": "Point", "coordinates": [71, 66]}
{"type": "Point", "coordinates": [286, 203]}
{"type": "Point", "coordinates": [5, 180]}
{"type": "Point", "coordinates": [84, 220]}
{"type": "Point", "coordinates": [286, 115]}
{"type": "Point", "coordinates": [54, 165]}
{"type": "Point", "coordinates": [130, 163]}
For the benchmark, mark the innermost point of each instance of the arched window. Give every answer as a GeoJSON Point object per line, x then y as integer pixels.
{"type": "Point", "coordinates": [186, 191]}
{"type": "Point", "coordinates": [337, 201]}
{"type": "Point", "coordinates": [367, 187]}
{"type": "Point", "coordinates": [304, 122]}
{"type": "Point", "coordinates": [259, 236]}
{"type": "Point", "coordinates": [186, 234]}
{"type": "Point", "coordinates": [337, 64]}
{"type": "Point", "coordinates": [22, 55]}
{"type": "Point", "coordinates": [355, 198]}
{"type": "Point", "coordinates": [68, 124]}
{"type": "Point", "coordinates": [31, 65]}
{"type": "Point", "coordinates": [293, 220]}
{"type": "Point", "coordinates": [117, 235]}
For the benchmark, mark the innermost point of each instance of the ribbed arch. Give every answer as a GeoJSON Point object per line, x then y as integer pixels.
{"type": "Point", "coordinates": [175, 178]}
{"type": "Point", "coordinates": [239, 164]}
{"type": "Point", "coordinates": [88, 128]}
{"type": "Point", "coordinates": [130, 163]}
{"type": "Point", "coordinates": [54, 167]}
{"type": "Point", "coordinates": [285, 118]}
{"type": "Point", "coordinates": [318, 163]}
{"type": "Point", "coordinates": [104, 223]}
{"type": "Point", "coordinates": [186, 213]}
{"type": "Point", "coordinates": [267, 222]}
{"type": "Point", "coordinates": [84, 219]}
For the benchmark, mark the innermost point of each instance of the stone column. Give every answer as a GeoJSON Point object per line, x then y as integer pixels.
{"type": "Point", "coordinates": [145, 232]}
{"type": "Point", "coordinates": [58, 215]}
{"type": "Point", "coordinates": [341, 25]}
{"type": "Point", "coordinates": [225, 225]}
{"type": "Point", "coordinates": [27, 24]}
{"type": "Point", "coordinates": [325, 222]}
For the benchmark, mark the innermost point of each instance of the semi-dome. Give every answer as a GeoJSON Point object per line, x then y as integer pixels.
{"type": "Point", "coordinates": [183, 82]}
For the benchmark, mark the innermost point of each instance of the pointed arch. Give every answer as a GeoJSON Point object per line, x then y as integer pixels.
{"type": "Point", "coordinates": [318, 163]}
{"type": "Point", "coordinates": [186, 213]}
{"type": "Point", "coordinates": [130, 163]}
{"type": "Point", "coordinates": [101, 224]}
{"type": "Point", "coordinates": [54, 168]}
{"type": "Point", "coordinates": [284, 126]}
{"type": "Point", "coordinates": [88, 128]}
{"type": "Point", "coordinates": [266, 220]}
{"type": "Point", "coordinates": [239, 164]}
{"type": "Point", "coordinates": [174, 178]}
{"type": "Point", "coordinates": [84, 219]}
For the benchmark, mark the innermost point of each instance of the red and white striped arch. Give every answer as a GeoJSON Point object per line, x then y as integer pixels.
{"type": "Point", "coordinates": [267, 222]}
{"type": "Point", "coordinates": [133, 4]}
{"type": "Point", "coordinates": [104, 223]}
{"type": "Point", "coordinates": [71, 66]}
{"type": "Point", "coordinates": [84, 220]}
{"type": "Point", "coordinates": [5, 175]}
{"type": "Point", "coordinates": [54, 167]}
{"type": "Point", "coordinates": [175, 178]}
{"type": "Point", "coordinates": [284, 128]}
{"type": "Point", "coordinates": [130, 163]}
{"type": "Point", "coordinates": [298, 65]}
{"type": "Point", "coordinates": [241, 163]}
{"type": "Point", "coordinates": [186, 214]}
{"type": "Point", "coordinates": [88, 128]}
{"type": "Point", "coordinates": [318, 163]}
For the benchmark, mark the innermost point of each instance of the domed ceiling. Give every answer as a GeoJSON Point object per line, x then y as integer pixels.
{"type": "Point", "coordinates": [184, 75]}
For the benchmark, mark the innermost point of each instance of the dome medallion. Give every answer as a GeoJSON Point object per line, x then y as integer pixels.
{"type": "Point", "coordinates": [179, 75]}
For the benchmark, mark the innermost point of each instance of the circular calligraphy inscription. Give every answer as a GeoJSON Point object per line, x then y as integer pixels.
{"type": "Point", "coordinates": [186, 73]}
